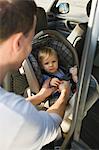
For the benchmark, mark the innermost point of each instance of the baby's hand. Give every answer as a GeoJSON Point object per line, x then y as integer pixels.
{"type": "Point", "coordinates": [55, 82]}
{"type": "Point", "coordinates": [73, 71]}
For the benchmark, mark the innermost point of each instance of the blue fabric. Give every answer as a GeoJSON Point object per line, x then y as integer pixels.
{"type": "Point", "coordinates": [59, 74]}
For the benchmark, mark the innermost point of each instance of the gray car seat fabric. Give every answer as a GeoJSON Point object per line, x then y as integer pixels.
{"type": "Point", "coordinates": [41, 20]}
{"type": "Point", "coordinates": [14, 81]}
{"type": "Point", "coordinates": [33, 74]}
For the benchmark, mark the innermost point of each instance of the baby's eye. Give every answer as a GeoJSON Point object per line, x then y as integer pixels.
{"type": "Point", "coordinates": [46, 63]}
{"type": "Point", "coordinates": [53, 61]}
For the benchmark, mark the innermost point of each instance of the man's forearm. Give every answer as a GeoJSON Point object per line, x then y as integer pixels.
{"type": "Point", "coordinates": [36, 99]}
{"type": "Point", "coordinates": [60, 105]}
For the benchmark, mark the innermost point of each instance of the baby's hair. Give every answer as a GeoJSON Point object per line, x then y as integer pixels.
{"type": "Point", "coordinates": [46, 51]}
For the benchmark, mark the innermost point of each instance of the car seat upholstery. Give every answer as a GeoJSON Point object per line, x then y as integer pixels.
{"type": "Point", "coordinates": [41, 20]}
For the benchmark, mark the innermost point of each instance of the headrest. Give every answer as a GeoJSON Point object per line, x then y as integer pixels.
{"type": "Point", "coordinates": [41, 20]}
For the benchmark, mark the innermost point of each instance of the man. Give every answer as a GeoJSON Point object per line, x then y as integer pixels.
{"type": "Point", "coordinates": [22, 126]}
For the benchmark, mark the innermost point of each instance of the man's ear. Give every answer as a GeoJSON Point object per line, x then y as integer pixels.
{"type": "Point", "coordinates": [18, 41]}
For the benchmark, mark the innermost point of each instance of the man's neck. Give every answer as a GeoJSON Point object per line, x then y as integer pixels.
{"type": "Point", "coordinates": [2, 74]}
{"type": "Point", "coordinates": [3, 63]}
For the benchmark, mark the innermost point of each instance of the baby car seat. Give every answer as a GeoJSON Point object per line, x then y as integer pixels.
{"type": "Point", "coordinates": [67, 57]}
{"type": "Point", "coordinates": [66, 53]}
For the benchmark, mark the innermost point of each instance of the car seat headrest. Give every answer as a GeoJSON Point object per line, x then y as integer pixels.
{"type": "Point", "coordinates": [41, 20]}
{"type": "Point", "coordinates": [67, 54]}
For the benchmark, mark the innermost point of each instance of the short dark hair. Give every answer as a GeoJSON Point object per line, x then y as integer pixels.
{"type": "Point", "coordinates": [16, 16]}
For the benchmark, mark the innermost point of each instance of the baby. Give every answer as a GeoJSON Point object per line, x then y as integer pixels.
{"type": "Point", "coordinates": [48, 60]}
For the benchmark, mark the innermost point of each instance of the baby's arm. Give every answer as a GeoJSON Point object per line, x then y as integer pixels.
{"type": "Point", "coordinates": [73, 71]}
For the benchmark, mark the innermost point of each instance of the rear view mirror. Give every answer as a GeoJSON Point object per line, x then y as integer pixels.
{"type": "Point", "coordinates": [63, 8]}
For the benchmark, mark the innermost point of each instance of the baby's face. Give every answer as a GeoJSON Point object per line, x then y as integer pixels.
{"type": "Point", "coordinates": [50, 63]}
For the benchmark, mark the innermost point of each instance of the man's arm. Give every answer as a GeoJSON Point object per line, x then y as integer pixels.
{"type": "Point", "coordinates": [43, 93]}
{"type": "Point", "coordinates": [59, 106]}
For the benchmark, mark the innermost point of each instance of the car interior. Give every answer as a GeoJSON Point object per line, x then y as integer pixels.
{"type": "Point", "coordinates": [67, 38]}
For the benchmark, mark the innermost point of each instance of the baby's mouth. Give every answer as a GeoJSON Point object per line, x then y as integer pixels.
{"type": "Point", "coordinates": [51, 69]}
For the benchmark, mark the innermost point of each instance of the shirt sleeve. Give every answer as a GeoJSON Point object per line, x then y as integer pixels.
{"type": "Point", "coordinates": [43, 124]}
{"type": "Point", "coordinates": [51, 122]}
{"type": "Point", "coordinates": [28, 127]}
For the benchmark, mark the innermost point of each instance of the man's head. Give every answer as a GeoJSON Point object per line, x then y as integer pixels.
{"type": "Point", "coordinates": [17, 27]}
{"type": "Point", "coordinates": [16, 16]}
{"type": "Point", "coordinates": [48, 59]}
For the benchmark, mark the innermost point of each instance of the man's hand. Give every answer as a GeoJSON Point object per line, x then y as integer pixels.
{"type": "Point", "coordinates": [46, 90]}
{"type": "Point", "coordinates": [55, 82]}
{"type": "Point", "coordinates": [65, 86]}
{"type": "Point", "coordinates": [59, 106]}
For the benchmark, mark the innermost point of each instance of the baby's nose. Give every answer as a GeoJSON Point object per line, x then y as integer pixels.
{"type": "Point", "coordinates": [50, 64]}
